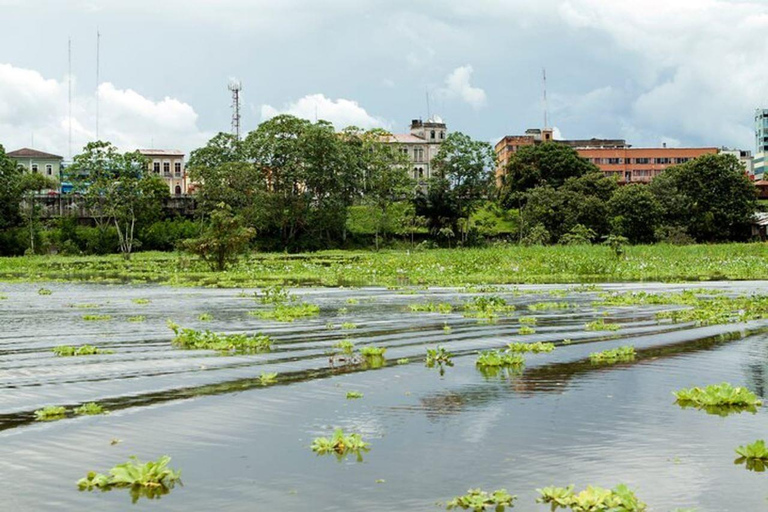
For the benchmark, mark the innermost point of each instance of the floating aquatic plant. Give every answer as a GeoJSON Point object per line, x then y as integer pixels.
{"type": "Point", "coordinates": [137, 318]}
{"type": "Point", "coordinates": [267, 379]}
{"type": "Point", "coordinates": [614, 355]}
{"type": "Point", "coordinates": [404, 360]}
{"type": "Point", "coordinates": [447, 329]}
{"type": "Point", "coordinates": [754, 455]}
{"type": "Point", "coordinates": [545, 306]}
{"type": "Point", "coordinates": [83, 306]}
{"type": "Point", "coordinates": [601, 325]}
{"type": "Point", "coordinates": [348, 326]}
{"type": "Point", "coordinates": [431, 307]}
{"type": "Point", "coordinates": [496, 358]}
{"type": "Point", "coordinates": [97, 318]}
{"type": "Point", "coordinates": [90, 409]}
{"type": "Point", "coordinates": [347, 346]}
{"type": "Point", "coordinates": [488, 307]}
{"type": "Point", "coordinates": [82, 350]}
{"type": "Point", "coordinates": [50, 413]}
{"type": "Point", "coordinates": [478, 500]}
{"type": "Point", "coordinates": [275, 294]}
{"type": "Point", "coordinates": [352, 395]}
{"type": "Point", "coordinates": [533, 348]}
{"type": "Point", "coordinates": [205, 317]}
{"type": "Point", "coordinates": [288, 312]}
{"type": "Point", "coordinates": [528, 320]}
{"type": "Point", "coordinates": [150, 479]}
{"type": "Point", "coordinates": [721, 399]}
{"type": "Point", "coordinates": [353, 301]}
{"type": "Point", "coordinates": [340, 444]}
{"type": "Point", "coordinates": [592, 499]}
{"type": "Point", "coordinates": [141, 302]}
{"type": "Point", "coordinates": [44, 291]}
{"type": "Point", "coordinates": [525, 330]}
{"type": "Point", "coordinates": [192, 339]}
{"type": "Point", "coordinates": [439, 357]}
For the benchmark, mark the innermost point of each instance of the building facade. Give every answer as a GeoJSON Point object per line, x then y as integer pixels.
{"type": "Point", "coordinates": [38, 161]}
{"type": "Point", "coordinates": [614, 157]}
{"type": "Point", "coordinates": [761, 143]}
{"type": "Point", "coordinates": [744, 156]}
{"type": "Point", "coordinates": [169, 165]}
{"type": "Point", "coordinates": [421, 146]}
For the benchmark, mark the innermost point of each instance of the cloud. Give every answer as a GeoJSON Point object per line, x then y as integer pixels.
{"type": "Point", "coordinates": [458, 86]}
{"type": "Point", "coordinates": [340, 112]}
{"type": "Point", "coordinates": [35, 107]}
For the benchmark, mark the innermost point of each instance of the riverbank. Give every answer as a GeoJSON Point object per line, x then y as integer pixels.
{"type": "Point", "coordinates": [439, 267]}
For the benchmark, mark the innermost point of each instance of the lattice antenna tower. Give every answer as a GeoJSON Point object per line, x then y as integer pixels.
{"type": "Point", "coordinates": [235, 86]}
{"type": "Point", "coordinates": [544, 99]}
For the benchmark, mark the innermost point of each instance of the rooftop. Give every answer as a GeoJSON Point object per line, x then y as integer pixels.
{"type": "Point", "coordinates": [161, 152]}
{"type": "Point", "coordinates": [33, 153]}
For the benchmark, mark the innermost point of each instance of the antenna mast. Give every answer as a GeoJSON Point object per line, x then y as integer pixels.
{"type": "Point", "coordinates": [429, 107]}
{"type": "Point", "coordinates": [69, 87]}
{"type": "Point", "coordinates": [544, 85]}
{"type": "Point", "coordinates": [98, 56]}
{"type": "Point", "coordinates": [235, 86]}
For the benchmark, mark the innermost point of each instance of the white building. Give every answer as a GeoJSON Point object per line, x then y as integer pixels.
{"type": "Point", "coordinates": [744, 156]}
{"type": "Point", "coordinates": [169, 165]}
{"type": "Point", "coordinates": [421, 145]}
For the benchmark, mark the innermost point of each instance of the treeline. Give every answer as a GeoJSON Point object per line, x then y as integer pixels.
{"type": "Point", "coordinates": [293, 185]}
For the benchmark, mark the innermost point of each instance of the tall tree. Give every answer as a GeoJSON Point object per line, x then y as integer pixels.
{"type": "Point", "coordinates": [10, 190]}
{"type": "Point", "coordinates": [31, 184]}
{"type": "Point", "coordinates": [635, 213]}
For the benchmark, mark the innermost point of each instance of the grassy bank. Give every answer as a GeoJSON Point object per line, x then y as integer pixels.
{"type": "Point", "coordinates": [441, 267]}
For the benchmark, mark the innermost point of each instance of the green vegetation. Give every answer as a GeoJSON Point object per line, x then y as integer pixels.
{"type": "Point", "coordinates": [439, 357]}
{"type": "Point", "coordinates": [352, 395]}
{"type": "Point", "coordinates": [205, 317]}
{"type": "Point", "coordinates": [288, 312]}
{"type": "Point", "coordinates": [347, 346]}
{"type": "Point", "coordinates": [528, 320]}
{"type": "Point", "coordinates": [97, 318]}
{"type": "Point", "coordinates": [496, 358]}
{"type": "Point", "coordinates": [83, 306]}
{"type": "Point", "coordinates": [137, 318]}
{"type": "Point", "coordinates": [267, 379]}
{"type": "Point", "coordinates": [721, 399]}
{"type": "Point", "coordinates": [614, 355]}
{"type": "Point", "coordinates": [754, 455]}
{"type": "Point", "coordinates": [372, 352]}
{"type": "Point", "coordinates": [275, 294]}
{"type": "Point", "coordinates": [431, 307]}
{"type": "Point", "coordinates": [90, 409]}
{"type": "Point", "coordinates": [524, 330]}
{"type": "Point", "coordinates": [44, 291]}
{"type": "Point", "coordinates": [533, 348]}
{"type": "Point", "coordinates": [601, 325]}
{"type": "Point", "coordinates": [141, 302]}
{"type": "Point", "coordinates": [546, 306]}
{"type": "Point", "coordinates": [404, 360]}
{"type": "Point", "coordinates": [447, 329]}
{"type": "Point", "coordinates": [487, 306]}
{"type": "Point", "coordinates": [478, 500]}
{"type": "Point", "coordinates": [720, 310]}
{"type": "Point", "coordinates": [50, 413]}
{"type": "Point", "coordinates": [192, 339]}
{"type": "Point", "coordinates": [150, 480]}
{"type": "Point", "coordinates": [346, 326]}
{"type": "Point", "coordinates": [441, 267]}
{"type": "Point", "coordinates": [82, 350]}
{"type": "Point", "coordinates": [592, 499]}
{"type": "Point", "coordinates": [340, 444]}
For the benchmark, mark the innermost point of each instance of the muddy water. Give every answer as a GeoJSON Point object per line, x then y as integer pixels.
{"type": "Point", "coordinates": [242, 446]}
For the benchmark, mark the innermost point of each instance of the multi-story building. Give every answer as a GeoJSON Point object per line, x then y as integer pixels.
{"type": "Point", "coordinates": [761, 143]}
{"type": "Point", "coordinates": [421, 145]}
{"type": "Point", "coordinates": [614, 157]}
{"type": "Point", "coordinates": [744, 156]}
{"type": "Point", "coordinates": [38, 161]}
{"type": "Point", "coordinates": [169, 165]}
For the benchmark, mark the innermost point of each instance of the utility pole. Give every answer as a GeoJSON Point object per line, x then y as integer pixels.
{"type": "Point", "coordinates": [235, 86]}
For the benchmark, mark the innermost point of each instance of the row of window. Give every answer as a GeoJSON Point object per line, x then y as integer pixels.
{"type": "Point", "coordinates": [637, 173]}
{"type": "Point", "coordinates": [167, 168]}
{"type": "Point", "coordinates": [48, 169]}
{"type": "Point", "coordinates": [640, 161]}
{"type": "Point", "coordinates": [432, 135]}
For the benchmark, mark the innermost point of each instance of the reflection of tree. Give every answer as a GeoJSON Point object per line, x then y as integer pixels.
{"type": "Point", "coordinates": [756, 371]}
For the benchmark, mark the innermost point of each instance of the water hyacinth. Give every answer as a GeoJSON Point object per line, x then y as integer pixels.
{"type": "Point", "coordinates": [479, 500]}
{"type": "Point", "coordinates": [721, 399]}
{"type": "Point", "coordinates": [192, 339]}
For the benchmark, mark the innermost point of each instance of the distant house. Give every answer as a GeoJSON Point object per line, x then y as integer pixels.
{"type": "Point", "coordinates": [169, 165]}
{"type": "Point", "coordinates": [33, 160]}
{"type": "Point", "coordinates": [420, 146]}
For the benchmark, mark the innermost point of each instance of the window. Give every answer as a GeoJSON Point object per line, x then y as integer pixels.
{"type": "Point", "coordinates": [421, 173]}
{"type": "Point", "coordinates": [167, 168]}
{"type": "Point", "coordinates": [177, 169]}
{"type": "Point", "coordinates": [614, 161]}
{"type": "Point", "coordinates": [156, 167]}
{"type": "Point", "coordinates": [642, 161]}
{"type": "Point", "coordinates": [663, 161]}
{"type": "Point", "coordinates": [49, 169]}
{"type": "Point", "coordinates": [432, 135]}
{"type": "Point", "coordinates": [681, 160]}
{"type": "Point", "coordinates": [178, 189]}
{"type": "Point", "coordinates": [442, 135]}
{"type": "Point", "coordinates": [418, 154]}
{"type": "Point", "coordinates": [34, 167]}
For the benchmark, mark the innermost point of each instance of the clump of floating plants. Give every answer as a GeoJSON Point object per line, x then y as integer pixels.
{"type": "Point", "coordinates": [528, 320]}
{"type": "Point", "coordinates": [273, 295]}
{"type": "Point", "coordinates": [90, 409]}
{"type": "Point", "coordinates": [288, 312]}
{"type": "Point", "coordinates": [97, 318]}
{"type": "Point", "coordinates": [373, 356]}
{"type": "Point", "coordinates": [347, 326]}
{"type": "Point", "coordinates": [340, 444]}
{"type": "Point", "coordinates": [614, 355]}
{"type": "Point", "coordinates": [44, 291]}
{"type": "Point", "coordinates": [533, 348]}
{"type": "Point", "coordinates": [267, 379]}
{"type": "Point", "coordinates": [497, 358]}
{"type": "Point", "coordinates": [150, 479]}
{"type": "Point", "coordinates": [490, 306]}
{"type": "Point", "coordinates": [478, 500]}
{"type": "Point", "coordinates": [601, 325]}
{"type": "Point", "coordinates": [352, 395]}
{"type": "Point", "coordinates": [524, 330]}
{"type": "Point", "coordinates": [431, 307]}
{"type": "Point", "coordinates": [721, 399]}
{"type": "Point", "coordinates": [141, 302]}
{"type": "Point", "coordinates": [720, 310]}
{"type": "Point", "coordinates": [754, 455]}
{"type": "Point", "coordinates": [592, 499]}
{"type": "Point", "coordinates": [439, 357]}
{"type": "Point", "coordinates": [545, 306]}
{"type": "Point", "coordinates": [205, 317]}
{"type": "Point", "coordinates": [50, 413]}
{"type": "Point", "coordinates": [137, 318]}
{"type": "Point", "coordinates": [192, 339]}
{"type": "Point", "coordinates": [82, 350]}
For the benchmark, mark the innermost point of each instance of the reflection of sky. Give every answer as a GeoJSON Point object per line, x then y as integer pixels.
{"type": "Point", "coordinates": [431, 437]}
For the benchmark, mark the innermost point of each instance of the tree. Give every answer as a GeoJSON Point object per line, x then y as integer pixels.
{"type": "Point", "coordinates": [223, 148]}
{"type": "Point", "coordinates": [30, 184]}
{"type": "Point", "coordinates": [10, 191]}
{"type": "Point", "coordinates": [467, 166]}
{"type": "Point", "coordinates": [543, 164]}
{"type": "Point", "coordinates": [223, 240]}
{"type": "Point", "coordinates": [635, 213]}
{"type": "Point", "coordinates": [117, 189]}
{"type": "Point", "coordinates": [710, 196]}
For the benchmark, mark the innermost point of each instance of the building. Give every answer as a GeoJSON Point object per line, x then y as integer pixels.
{"type": "Point", "coordinates": [169, 165]}
{"type": "Point", "coordinates": [38, 161]}
{"type": "Point", "coordinates": [744, 156]}
{"type": "Point", "coordinates": [761, 143]}
{"type": "Point", "coordinates": [421, 145]}
{"type": "Point", "coordinates": [614, 157]}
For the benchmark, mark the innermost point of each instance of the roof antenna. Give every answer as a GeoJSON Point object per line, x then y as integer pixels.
{"type": "Point", "coordinates": [544, 86]}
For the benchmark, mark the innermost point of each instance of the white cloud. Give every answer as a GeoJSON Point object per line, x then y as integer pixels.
{"type": "Point", "coordinates": [457, 85]}
{"type": "Point", "coordinates": [35, 107]}
{"type": "Point", "coordinates": [340, 112]}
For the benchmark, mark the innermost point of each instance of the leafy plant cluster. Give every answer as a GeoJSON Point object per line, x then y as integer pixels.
{"type": "Point", "coordinates": [754, 456]}
{"type": "Point", "coordinates": [614, 355]}
{"type": "Point", "coordinates": [288, 312]}
{"type": "Point", "coordinates": [720, 399]}
{"type": "Point", "coordinates": [151, 479]}
{"type": "Point", "coordinates": [497, 358]}
{"type": "Point", "coordinates": [54, 412]}
{"type": "Point", "coordinates": [341, 444]}
{"type": "Point", "coordinates": [431, 307]}
{"type": "Point", "coordinates": [192, 339]}
{"type": "Point", "coordinates": [478, 500]}
{"type": "Point", "coordinates": [82, 350]}
{"type": "Point", "coordinates": [546, 306]}
{"type": "Point", "coordinates": [601, 325]}
{"type": "Point", "coordinates": [534, 348]}
{"type": "Point", "coordinates": [487, 306]}
{"type": "Point", "coordinates": [592, 499]}
{"type": "Point", "coordinates": [526, 330]}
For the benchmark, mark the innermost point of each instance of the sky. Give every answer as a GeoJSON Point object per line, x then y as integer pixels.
{"type": "Point", "coordinates": [681, 72]}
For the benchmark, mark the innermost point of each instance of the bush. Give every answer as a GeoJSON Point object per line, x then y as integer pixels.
{"type": "Point", "coordinates": [165, 235]}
